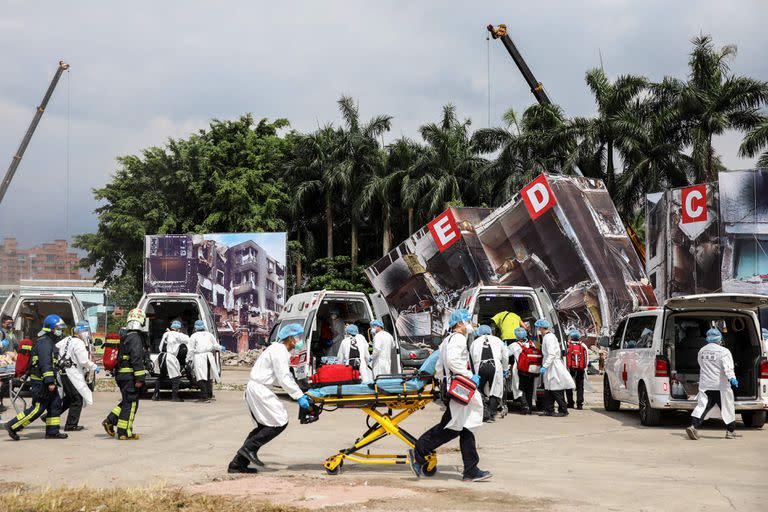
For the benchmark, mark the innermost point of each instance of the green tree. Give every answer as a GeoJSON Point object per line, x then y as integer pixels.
{"type": "Point", "coordinates": [222, 179]}
{"type": "Point", "coordinates": [756, 141]}
{"type": "Point", "coordinates": [359, 158]}
{"type": "Point", "coordinates": [337, 274]}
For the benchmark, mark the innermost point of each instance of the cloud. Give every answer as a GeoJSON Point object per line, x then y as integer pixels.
{"type": "Point", "coordinates": [142, 72]}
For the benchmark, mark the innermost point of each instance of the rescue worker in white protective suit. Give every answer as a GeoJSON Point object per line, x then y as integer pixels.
{"type": "Point", "coordinates": [354, 352]}
{"type": "Point", "coordinates": [75, 363]}
{"type": "Point", "coordinates": [459, 419]}
{"type": "Point", "coordinates": [385, 358]}
{"type": "Point", "coordinates": [337, 330]}
{"type": "Point", "coordinates": [525, 381]}
{"type": "Point", "coordinates": [168, 363]}
{"type": "Point", "coordinates": [490, 358]}
{"type": "Point", "coordinates": [267, 412]}
{"type": "Point", "coordinates": [553, 371]}
{"type": "Point", "coordinates": [202, 345]}
{"type": "Point", "coordinates": [716, 382]}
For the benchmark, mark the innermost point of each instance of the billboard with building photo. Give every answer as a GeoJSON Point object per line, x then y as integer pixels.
{"type": "Point", "coordinates": [423, 277]}
{"type": "Point", "coordinates": [683, 241]}
{"type": "Point", "coordinates": [561, 233]}
{"type": "Point", "coordinates": [241, 276]}
{"type": "Point", "coordinates": [744, 231]}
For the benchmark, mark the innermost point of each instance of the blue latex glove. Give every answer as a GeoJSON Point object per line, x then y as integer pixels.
{"type": "Point", "coordinates": [542, 371]}
{"type": "Point", "coordinates": [476, 380]}
{"type": "Point", "coordinates": [305, 402]}
{"type": "Point", "coordinates": [223, 348]}
{"type": "Point", "coordinates": [506, 374]}
{"type": "Point", "coordinates": [734, 383]}
{"type": "Point", "coordinates": [97, 370]}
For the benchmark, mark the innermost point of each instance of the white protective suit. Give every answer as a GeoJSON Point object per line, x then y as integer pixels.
{"type": "Point", "coordinates": [272, 367]}
{"type": "Point", "coordinates": [716, 371]}
{"type": "Point", "coordinates": [557, 376]}
{"type": "Point", "coordinates": [201, 347]}
{"type": "Point", "coordinates": [74, 349]}
{"type": "Point", "coordinates": [454, 360]}
{"type": "Point", "coordinates": [384, 346]}
{"type": "Point", "coordinates": [500, 358]}
{"type": "Point", "coordinates": [365, 357]}
{"type": "Point", "coordinates": [171, 342]}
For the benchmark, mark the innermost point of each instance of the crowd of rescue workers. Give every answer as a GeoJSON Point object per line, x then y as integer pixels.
{"type": "Point", "coordinates": [470, 358]}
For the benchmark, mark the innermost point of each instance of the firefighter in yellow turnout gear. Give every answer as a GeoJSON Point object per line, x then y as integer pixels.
{"type": "Point", "coordinates": [130, 374]}
{"type": "Point", "coordinates": [42, 375]}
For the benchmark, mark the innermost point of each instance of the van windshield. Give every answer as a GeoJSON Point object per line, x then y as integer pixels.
{"type": "Point", "coordinates": [489, 305]}
{"type": "Point", "coordinates": [32, 312]}
{"type": "Point", "coordinates": [161, 313]}
{"type": "Point", "coordinates": [685, 334]}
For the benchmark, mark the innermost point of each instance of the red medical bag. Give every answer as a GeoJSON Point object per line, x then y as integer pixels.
{"type": "Point", "coordinates": [332, 374]}
{"type": "Point", "coordinates": [462, 389]}
{"type": "Point", "coordinates": [529, 360]}
{"type": "Point", "coordinates": [23, 357]}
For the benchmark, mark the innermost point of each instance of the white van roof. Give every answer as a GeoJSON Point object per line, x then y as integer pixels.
{"type": "Point", "coordinates": [718, 301]}
{"type": "Point", "coordinates": [505, 288]}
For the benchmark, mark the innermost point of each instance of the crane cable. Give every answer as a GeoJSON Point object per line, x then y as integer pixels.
{"type": "Point", "coordinates": [488, 61]}
{"type": "Point", "coordinates": [67, 163]}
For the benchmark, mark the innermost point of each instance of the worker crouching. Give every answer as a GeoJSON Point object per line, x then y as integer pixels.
{"type": "Point", "coordinates": [268, 414]}
{"type": "Point", "coordinates": [130, 375]}
{"type": "Point", "coordinates": [42, 375]}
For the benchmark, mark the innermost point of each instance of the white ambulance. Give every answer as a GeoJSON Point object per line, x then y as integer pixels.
{"type": "Point", "coordinates": [652, 360]}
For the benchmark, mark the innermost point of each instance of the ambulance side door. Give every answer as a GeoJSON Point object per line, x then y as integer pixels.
{"type": "Point", "coordinates": [550, 313]}
{"type": "Point", "coordinates": [615, 363]}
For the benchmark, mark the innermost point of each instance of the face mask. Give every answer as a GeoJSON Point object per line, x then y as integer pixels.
{"type": "Point", "coordinates": [58, 333]}
{"type": "Point", "coordinates": [334, 316]}
{"type": "Point", "coordinates": [299, 345]}
{"type": "Point", "coordinates": [470, 328]}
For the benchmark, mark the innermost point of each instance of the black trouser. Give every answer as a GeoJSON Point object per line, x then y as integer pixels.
{"type": "Point", "coordinates": [526, 385]}
{"type": "Point", "coordinates": [713, 399]}
{"type": "Point", "coordinates": [491, 403]}
{"type": "Point", "coordinates": [72, 401]}
{"type": "Point", "coordinates": [257, 438]}
{"type": "Point", "coordinates": [578, 377]}
{"type": "Point", "coordinates": [552, 396]}
{"type": "Point", "coordinates": [124, 413]}
{"type": "Point", "coordinates": [175, 382]}
{"type": "Point", "coordinates": [42, 401]}
{"type": "Point", "coordinates": [206, 389]}
{"type": "Point", "coordinates": [438, 435]}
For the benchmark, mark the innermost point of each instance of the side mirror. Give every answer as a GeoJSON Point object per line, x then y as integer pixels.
{"type": "Point", "coordinates": [604, 341]}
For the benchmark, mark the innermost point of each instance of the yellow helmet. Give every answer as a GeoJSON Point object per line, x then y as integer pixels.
{"type": "Point", "coordinates": [136, 319]}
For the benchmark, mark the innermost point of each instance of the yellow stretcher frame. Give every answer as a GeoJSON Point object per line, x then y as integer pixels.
{"type": "Point", "coordinates": [385, 424]}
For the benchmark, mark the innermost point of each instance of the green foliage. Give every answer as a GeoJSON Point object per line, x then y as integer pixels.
{"type": "Point", "coordinates": [337, 274]}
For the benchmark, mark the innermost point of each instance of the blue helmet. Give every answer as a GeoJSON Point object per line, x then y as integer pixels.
{"type": "Point", "coordinates": [82, 327]}
{"type": "Point", "coordinates": [199, 325]}
{"type": "Point", "coordinates": [53, 322]}
{"type": "Point", "coordinates": [521, 333]}
{"type": "Point", "coordinates": [459, 316]}
{"type": "Point", "coordinates": [483, 330]}
{"type": "Point", "coordinates": [352, 330]}
{"type": "Point", "coordinates": [176, 324]}
{"type": "Point", "coordinates": [714, 336]}
{"type": "Point", "coordinates": [542, 323]}
{"type": "Point", "coordinates": [574, 334]}
{"type": "Point", "coordinates": [289, 330]}
{"type": "Point", "coordinates": [377, 323]}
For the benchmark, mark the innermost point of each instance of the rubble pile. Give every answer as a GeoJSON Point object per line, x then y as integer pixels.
{"type": "Point", "coordinates": [240, 359]}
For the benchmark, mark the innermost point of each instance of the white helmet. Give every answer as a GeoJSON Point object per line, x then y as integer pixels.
{"type": "Point", "coordinates": [136, 320]}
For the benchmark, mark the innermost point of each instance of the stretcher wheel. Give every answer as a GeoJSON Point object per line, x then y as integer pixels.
{"type": "Point", "coordinates": [430, 468]}
{"type": "Point", "coordinates": [334, 464]}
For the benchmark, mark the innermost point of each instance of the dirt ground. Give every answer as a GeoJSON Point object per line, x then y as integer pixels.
{"type": "Point", "coordinates": [589, 460]}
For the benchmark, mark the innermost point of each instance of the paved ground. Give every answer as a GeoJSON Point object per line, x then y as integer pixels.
{"type": "Point", "coordinates": [590, 460]}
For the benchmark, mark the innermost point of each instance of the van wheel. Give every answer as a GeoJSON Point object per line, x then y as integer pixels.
{"type": "Point", "coordinates": [753, 419]}
{"type": "Point", "coordinates": [649, 416]}
{"type": "Point", "coordinates": [609, 403]}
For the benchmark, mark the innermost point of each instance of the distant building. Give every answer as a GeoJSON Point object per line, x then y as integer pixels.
{"type": "Point", "coordinates": [48, 261]}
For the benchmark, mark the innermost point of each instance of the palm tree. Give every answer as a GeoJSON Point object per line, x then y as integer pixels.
{"type": "Point", "coordinates": [384, 187]}
{"type": "Point", "coordinates": [714, 100]}
{"type": "Point", "coordinates": [754, 142]}
{"type": "Point", "coordinates": [311, 171]}
{"type": "Point", "coordinates": [359, 157]}
{"type": "Point", "coordinates": [444, 172]}
{"type": "Point", "coordinates": [601, 136]}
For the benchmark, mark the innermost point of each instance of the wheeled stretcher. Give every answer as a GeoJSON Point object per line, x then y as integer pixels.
{"type": "Point", "coordinates": [387, 402]}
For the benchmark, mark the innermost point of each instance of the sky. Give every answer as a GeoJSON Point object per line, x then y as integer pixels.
{"type": "Point", "coordinates": [142, 72]}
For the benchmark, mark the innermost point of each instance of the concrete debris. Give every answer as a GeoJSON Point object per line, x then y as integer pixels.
{"type": "Point", "coordinates": [240, 359]}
